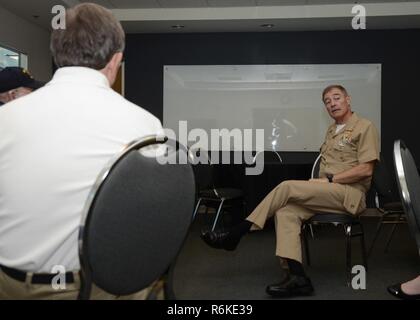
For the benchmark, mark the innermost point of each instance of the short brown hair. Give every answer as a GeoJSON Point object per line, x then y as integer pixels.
{"type": "Point", "coordinates": [334, 86]}
{"type": "Point", "coordinates": [91, 37]}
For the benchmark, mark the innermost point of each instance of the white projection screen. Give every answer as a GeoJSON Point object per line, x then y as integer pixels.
{"type": "Point", "coordinates": [284, 100]}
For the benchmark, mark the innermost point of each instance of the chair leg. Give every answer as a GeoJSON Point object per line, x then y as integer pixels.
{"type": "Point", "coordinates": [363, 246]}
{"type": "Point", "coordinates": [196, 208]}
{"type": "Point", "coordinates": [311, 229]}
{"type": "Point", "coordinates": [378, 230]}
{"type": "Point", "coordinates": [206, 219]}
{"type": "Point", "coordinates": [308, 255]}
{"type": "Point", "coordinates": [391, 234]}
{"type": "Point", "coordinates": [348, 253]}
{"type": "Point", "coordinates": [168, 278]}
{"type": "Point", "coordinates": [217, 215]}
{"type": "Point", "coordinates": [306, 245]}
{"type": "Point", "coordinates": [85, 286]}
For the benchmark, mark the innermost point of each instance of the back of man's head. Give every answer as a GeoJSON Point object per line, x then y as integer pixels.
{"type": "Point", "coordinates": [91, 37]}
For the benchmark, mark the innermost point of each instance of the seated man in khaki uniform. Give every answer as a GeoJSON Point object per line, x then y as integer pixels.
{"type": "Point", "coordinates": [348, 156]}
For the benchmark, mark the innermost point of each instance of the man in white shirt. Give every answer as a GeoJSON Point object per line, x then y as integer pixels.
{"type": "Point", "coordinates": [54, 142]}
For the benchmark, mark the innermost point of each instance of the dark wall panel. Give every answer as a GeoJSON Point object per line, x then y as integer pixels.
{"type": "Point", "coordinates": [397, 50]}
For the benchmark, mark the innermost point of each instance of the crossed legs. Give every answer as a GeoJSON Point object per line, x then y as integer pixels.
{"type": "Point", "coordinates": [290, 203]}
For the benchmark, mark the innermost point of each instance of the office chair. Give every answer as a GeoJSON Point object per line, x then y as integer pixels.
{"type": "Point", "coordinates": [390, 208]}
{"type": "Point", "coordinates": [135, 219]}
{"type": "Point", "coordinates": [347, 220]}
{"type": "Point", "coordinates": [208, 194]}
{"type": "Point", "coordinates": [409, 187]}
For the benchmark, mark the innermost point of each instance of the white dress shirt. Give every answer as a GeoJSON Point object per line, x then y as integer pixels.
{"type": "Point", "coordinates": [53, 144]}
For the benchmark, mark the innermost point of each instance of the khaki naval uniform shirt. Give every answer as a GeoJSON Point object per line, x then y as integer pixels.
{"type": "Point", "coordinates": [356, 143]}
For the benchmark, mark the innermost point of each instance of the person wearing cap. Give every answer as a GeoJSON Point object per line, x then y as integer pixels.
{"type": "Point", "coordinates": [16, 82]}
{"type": "Point", "coordinates": [54, 143]}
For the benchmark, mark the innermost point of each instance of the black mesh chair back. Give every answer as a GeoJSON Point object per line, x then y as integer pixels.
{"type": "Point", "coordinates": [203, 169]}
{"type": "Point", "coordinates": [409, 187]}
{"type": "Point", "coordinates": [382, 183]}
{"type": "Point", "coordinates": [209, 194]}
{"type": "Point", "coordinates": [387, 204]}
{"type": "Point", "coordinates": [135, 219]}
{"type": "Point", "coordinates": [347, 220]}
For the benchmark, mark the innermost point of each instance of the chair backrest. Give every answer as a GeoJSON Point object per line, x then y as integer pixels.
{"type": "Point", "coordinates": [203, 168]}
{"type": "Point", "coordinates": [315, 167]}
{"type": "Point", "coordinates": [380, 177]}
{"type": "Point", "coordinates": [135, 220]}
{"type": "Point", "coordinates": [382, 183]}
{"type": "Point", "coordinates": [409, 187]}
{"type": "Point", "coordinates": [204, 172]}
{"type": "Point", "coordinates": [270, 156]}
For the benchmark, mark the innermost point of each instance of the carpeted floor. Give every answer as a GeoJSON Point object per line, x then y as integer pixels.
{"type": "Point", "coordinates": [205, 273]}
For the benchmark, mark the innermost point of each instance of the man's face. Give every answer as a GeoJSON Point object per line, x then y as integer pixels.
{"type": "Point", "coordinates": [14, 94]}
{"type": "Point", "coordinates": [20, 92]}
{"type": "Point", "coordinates": [337, 104]}
{"type": "Point", "coordinates": [4, 97]}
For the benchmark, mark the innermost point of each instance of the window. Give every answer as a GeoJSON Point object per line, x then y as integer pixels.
{"type": "Point", "coordinates": [11, 58]}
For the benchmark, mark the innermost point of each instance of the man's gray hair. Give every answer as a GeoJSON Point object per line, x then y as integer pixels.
{"type": "Point", "coordinates": [334, 86]}
{"type": "Point", "coordinates": [91, 37]}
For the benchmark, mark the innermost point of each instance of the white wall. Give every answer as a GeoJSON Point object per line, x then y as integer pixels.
{"type": "Point", "coordinates": [26, 37]}
{"type": "Point", "coordinates": [284, 100]}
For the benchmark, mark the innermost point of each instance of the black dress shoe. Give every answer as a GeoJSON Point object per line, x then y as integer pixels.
{"type": "Point", "coordinates": [292, 286]}
{"type": "Point", "coordinates": [220, 240]}
{"type": "Point", "coordinates": [396, 291]}
{"type": "Point", "coordinates": [285, 276]}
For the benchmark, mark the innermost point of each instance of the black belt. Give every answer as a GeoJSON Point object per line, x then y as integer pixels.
{"type": "Point", "coordinates": [37, 278]}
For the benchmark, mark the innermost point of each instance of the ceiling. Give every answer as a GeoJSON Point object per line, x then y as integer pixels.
{"type": "Point", "coordinates": [162, 16]}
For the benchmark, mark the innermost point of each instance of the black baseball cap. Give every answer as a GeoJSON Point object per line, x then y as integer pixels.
{"type": "Point", "coordinates": [15, 77]}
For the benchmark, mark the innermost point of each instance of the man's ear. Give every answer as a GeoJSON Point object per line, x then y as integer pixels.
{"type": "Point", "coordinates": [348, 100]}
{"type": "Point", "coordinates": [111, 69]}
{"type": "Point", "coordinates": [116, 60]}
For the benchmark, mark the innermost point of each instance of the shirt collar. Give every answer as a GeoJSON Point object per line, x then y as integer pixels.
{"type": "Point", "coordinates": [351, 122]}
{"type": "Point", "coordinates": [349, 125]}
{"type": "Point", "coordinates": [80, 76]}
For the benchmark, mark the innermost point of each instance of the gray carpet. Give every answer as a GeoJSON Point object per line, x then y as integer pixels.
{"type": "Point", "coordinates": [205, 273]}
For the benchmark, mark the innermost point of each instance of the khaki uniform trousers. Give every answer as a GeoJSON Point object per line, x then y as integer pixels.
{"type": "Point", "coordinates": [11, 289]}
{"type": "Point", "coordinates": [293, 202]}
